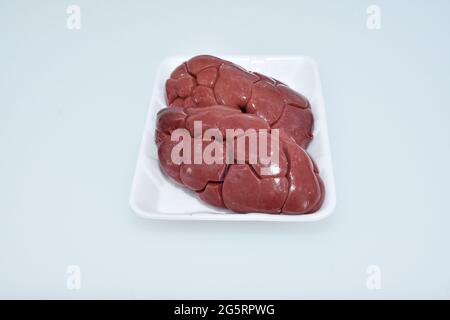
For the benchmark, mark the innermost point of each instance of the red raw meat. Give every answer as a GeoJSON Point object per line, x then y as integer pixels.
{"type": "Point", "coordinates": [225, 96]}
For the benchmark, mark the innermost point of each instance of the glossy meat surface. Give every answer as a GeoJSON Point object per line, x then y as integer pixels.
{"type": "Point", "coordinates": [206, 80]}
{"type": "Point", "coordinates": [224, 96]}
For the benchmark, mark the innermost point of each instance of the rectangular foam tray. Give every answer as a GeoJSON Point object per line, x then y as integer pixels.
{"type": "Point", "coordinates": [154, 196]}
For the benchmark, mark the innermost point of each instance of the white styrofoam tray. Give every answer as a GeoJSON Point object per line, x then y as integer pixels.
{"type": "Point", "coordinates": [154, 196]}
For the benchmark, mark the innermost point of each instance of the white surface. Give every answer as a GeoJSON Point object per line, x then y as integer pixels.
{"type": "Point", "coordinates": [152, 192]}
{"type": "Point", "coordinates": [72, 109]}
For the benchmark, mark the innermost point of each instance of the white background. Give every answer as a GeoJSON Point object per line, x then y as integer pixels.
{"type": "Point", "coordinates": [72, 110]}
